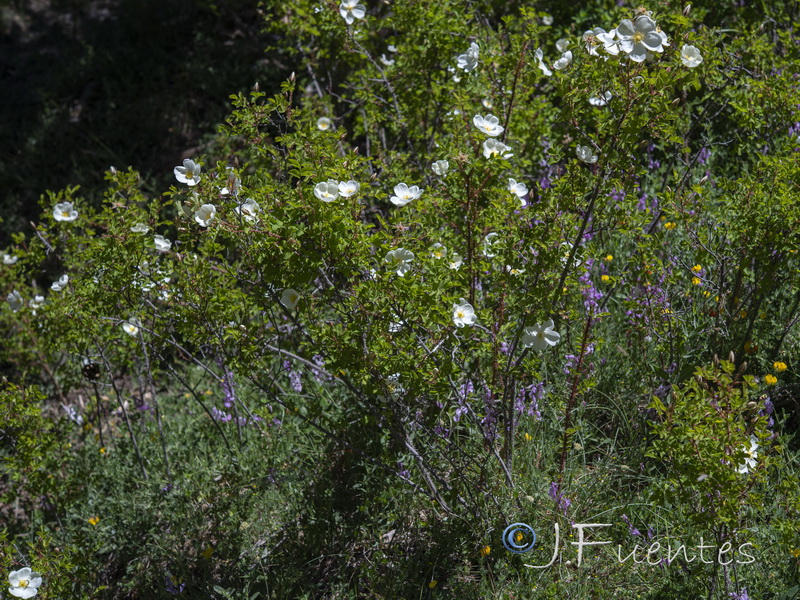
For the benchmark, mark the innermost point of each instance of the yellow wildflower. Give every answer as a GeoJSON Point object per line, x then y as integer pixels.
{"type": "Point", "coordinates": [433, 583]}
{"type": "Point", "coordinates": [779, 366]}
{"type": "Point", "coordinates": [528, 437]}
{"type": "Point", "coordinates": [609, 257]}
{"type": "Point", "coordinates": [605, 278]}
{"type": "Point", "coordinates": [696, 281]}
{"type": "Point", "coordinates": [103, 450]}
{"type": "Point", "coordinates": [771, 379]}
{"type": "Point", "coordinates": [94, 520]}
{"type": "Point", "coordinates": [669, 225]}
{"type": "Point", "coordinates": [697, 269]}
{"type": "Point", "coordinates": [207, 553]}
{"type": "Point", "coordinates": [486, 550]}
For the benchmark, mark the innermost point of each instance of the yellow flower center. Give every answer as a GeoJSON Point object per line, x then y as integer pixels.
{"type": "Point", "coordinates": [65, 213]}
{"type": "Point", "coordinates": [460, 314]}
{"type": "Point", "coordinates": [23, 583]}
{"type": "Point", "coordinates": [638, 37]}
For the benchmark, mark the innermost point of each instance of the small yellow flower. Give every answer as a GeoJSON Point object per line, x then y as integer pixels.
{"type": "Point", "coordinates": [697, 269]}
{"type": "Point", "coordinates": [796, 552]}
{"type": "Point", "coordinates": [706, 293]}
{"type": "Point", "coordinates": [609, 257]}
{"type": "Point", "coordinates": [528, 437]}
{"type": "Point", "coordinates": [669, 225]}
{"type": "Point", "coordinates": [605, 278]}
{"type": "Point", "coordinates": [743, 314]}
{"type": "Point", "coordinates": [763, 315]}
{"type": "Point", "coordinates": [486, 550]}
{"type": "Point", "coordinates": [207, 553]}
{"type": "Point", "coordinates": [433, 583]}
{"type": "Point", "coordinates": [779, 366]}
{"type": "Point", "coordinates": [771, 379]}
{"type": "Point", "coordinates": [94, 520]}
{"type": "Point", "coordinates": [696, 281]}
{"type": "Point", "coordinates": [103, 450]}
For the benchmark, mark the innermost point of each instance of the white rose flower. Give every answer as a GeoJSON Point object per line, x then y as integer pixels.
{"type": "Point", "coordinates": [591, 40]}
{"type": "Point", "coordinates": [540, 57]}
{"type": "Point", "coordinates": [387, 62]}
{"type": "Point", "coordinates": [492, 148]}
{"type": "Point", "coordinates": [15, 301]}
{"type": "Point", "coordinates": [205, 214]}
{"type": "Point", "coordinates": [348, 188]}
{"type": "Point", "coordinates": [540, 336]}
{"type": "Point", "coordinates": [469, 60]}
{"type": "Point", "coordinates": [36, 303]}
{"type": "Point", "coordinates": [690, 56]}
{"type": "Point", "coordinates": [131, 326]}
{"type": "Point", "coordinates": [463, 313]}
{"type": "Point", "coordinates": [601, 100]}
{"type": "Point", "coordinates": [248, 210]}
{"type": "Point", "coordinates": [9, 260]}
{"type": "Point", "coordinates": [609, 41]}
{"type": "Point", "coordinates": [24, 583]}
{"type": "Point", "coordinates": [547, 20]}
{"type": "Point", "coordinates": [487, 104]}
{"type": "Point", "coordinates": [639, 37]}
{"type": "Point", "coordinates": [563, 62]}
{"type": "Point", "coordinates": [189, 173]}
{"type": "Point", "coordinates": [140, 228]}
{"type": "Point", "coordinates": [438, 250]}
{"type": "Point", "coordinates": [752, 454]}
{"type": "Point", "coordinates": [440, 167]}
{"type": "Point", "coordinates": [562, 44]}
{"type": "Point", "coordinates": [233, 183]}
{"type": "Point", "coordinates": [290, 298]}
{"type": "Point", "coordinates": [162, 243]}
{"type": "Point", "coordinates": [514, 271]}
{"type": "Point", "coordinates": [351, 10]}
{"type": "Point", "coordinates": [65, 211]}
{"type": "Point", "coordinates": [490, 125]}
{"type": "Point", "coordinates": [324, 123]}
{"type": "Point", "coordinates": [519, 189]}
{"type": "Point", "coordinates": [567, 249]}
{"type": "Point", "coordinates": [393, 384]}
{"type": "Point", "coordinates": [455, 260]}
{"type": "Point", "coordinates": [61, 284]}
{"type": "Point", "coordinates": [586, 154]}
{"type": "Point", "coordinates": [327, 191]}
{"type": "Point", "coordinates": [404, 194]}
{"type": "Point", "coordinates": [399, 260]}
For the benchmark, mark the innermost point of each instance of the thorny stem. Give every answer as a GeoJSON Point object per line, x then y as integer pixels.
{"type": "Point", "coordinates": [571, 400]}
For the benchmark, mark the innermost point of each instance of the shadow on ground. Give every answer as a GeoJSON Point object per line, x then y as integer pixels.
{"type": "Point", "coordinates": [87, 84]}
